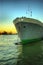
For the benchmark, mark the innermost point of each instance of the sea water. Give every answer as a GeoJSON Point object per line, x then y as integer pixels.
{"type": "Point", "coordinates": [9, 51]}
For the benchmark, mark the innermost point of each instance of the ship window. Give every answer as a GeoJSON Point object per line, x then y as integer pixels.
{"type": "Point", "coordinates": [24, 26]}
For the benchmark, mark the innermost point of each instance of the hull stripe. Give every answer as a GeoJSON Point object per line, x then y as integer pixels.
{"type": "Point", "coordinates": [26, 41]}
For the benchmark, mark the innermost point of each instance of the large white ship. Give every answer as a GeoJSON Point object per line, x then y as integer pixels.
{"type": "Point", "coordinates": [29, 29]}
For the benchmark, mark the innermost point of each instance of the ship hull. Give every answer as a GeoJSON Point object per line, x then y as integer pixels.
{"type": "Point", "coordinates": [29, 32]}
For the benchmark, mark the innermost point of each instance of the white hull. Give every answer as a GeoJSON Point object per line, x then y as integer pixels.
{"type": "Point", "coordinates": [29, 31]}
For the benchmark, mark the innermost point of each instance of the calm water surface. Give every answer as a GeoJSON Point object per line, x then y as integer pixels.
{"type": "Point", "coordinates": [9, 52]}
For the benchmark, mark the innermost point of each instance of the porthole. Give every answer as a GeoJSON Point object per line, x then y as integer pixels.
{"type": "Point", "coordinates": [24, 26]}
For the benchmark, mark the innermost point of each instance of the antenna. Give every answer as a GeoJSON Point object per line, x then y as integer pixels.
{"type": "Point", "coordinates": [29, 11]}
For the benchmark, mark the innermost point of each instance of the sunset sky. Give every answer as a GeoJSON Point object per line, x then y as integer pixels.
{"type": "Point", "coordinates": [10, 9]}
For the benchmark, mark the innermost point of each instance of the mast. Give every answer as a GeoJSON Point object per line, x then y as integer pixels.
{"type": "Point", "coordinates": [29, 12]}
